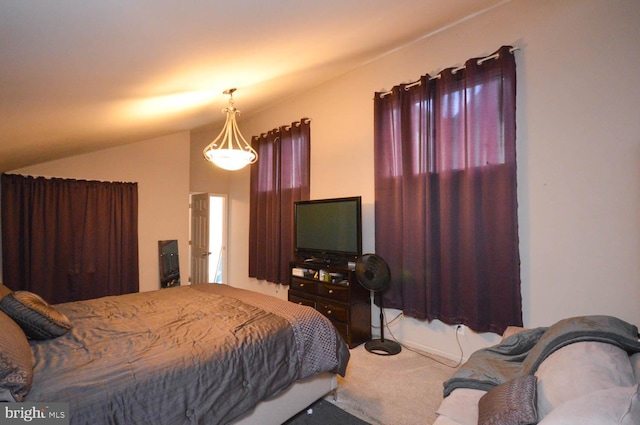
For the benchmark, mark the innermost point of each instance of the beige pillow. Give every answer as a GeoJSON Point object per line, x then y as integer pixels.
{"type": "Point", "coordinates": [512, 330]}
{"type": "Point", "coordinates": [635, 365]}
{"type": "Point", "coordinates": [511, 403]}
{"type": "Point", "coordinates": [4, 291]}
{"type": "Point", "coordinates": [613, 406]}
{"type": "Point", "coordinates": [578, 369]}
{"type": "Point", "coordinates": [36, 317]}
{"type": "Point", "coordinates": [16, 360]}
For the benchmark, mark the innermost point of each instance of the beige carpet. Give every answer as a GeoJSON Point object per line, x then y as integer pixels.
{"type": "Point", "coordinates": [404, 389]}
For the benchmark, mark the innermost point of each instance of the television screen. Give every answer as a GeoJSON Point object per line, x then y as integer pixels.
{"type": "Point", "coordinates": [328, 229]}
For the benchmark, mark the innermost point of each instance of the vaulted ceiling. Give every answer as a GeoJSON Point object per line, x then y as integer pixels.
{"type": "Point", "coordinates": [78, 76]}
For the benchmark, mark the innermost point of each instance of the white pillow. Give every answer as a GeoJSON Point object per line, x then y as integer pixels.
{"type": "Point", "coordinates": [613, 406]}
{"type": "Point", "coordinates": [461, 406]}
{"type": "Point", "coordinates": [579, 369]}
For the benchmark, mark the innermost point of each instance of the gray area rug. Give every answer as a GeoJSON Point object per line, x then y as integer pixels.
{"type": "Point", "coordinates": [403, 389]}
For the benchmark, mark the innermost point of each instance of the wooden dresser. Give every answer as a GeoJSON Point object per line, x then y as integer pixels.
{"type": "Point", "coordinates": [334, 292]}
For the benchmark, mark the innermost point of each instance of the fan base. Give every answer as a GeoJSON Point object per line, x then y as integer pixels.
{"type": "Point", "coordinates": [383, 347]}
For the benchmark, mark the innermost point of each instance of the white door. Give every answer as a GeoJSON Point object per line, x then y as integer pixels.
{"type": "Point", "coordinates": [200, 238]}
{"type": "Point", "coordinates": [208, 238]}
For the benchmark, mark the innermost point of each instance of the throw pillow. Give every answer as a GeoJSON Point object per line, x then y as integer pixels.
{"type": "Point", "coordinates": [613, 406]}
{"type": "Point", "coordinates": [511, 403]}
{"type": "Point", "coordinates": [36, 317]}
{"type": "Point", "coordinates": [16, 360]}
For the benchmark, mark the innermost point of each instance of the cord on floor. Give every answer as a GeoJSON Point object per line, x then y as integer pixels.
{"type": "Point", "coordinates": [421, 353]}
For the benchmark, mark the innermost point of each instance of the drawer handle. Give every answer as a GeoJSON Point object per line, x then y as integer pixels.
{"type": "Point", "coordinates": [331, 291]}
{"type": "Point", "coordinates": [328, 311]}
{"type": "Point", "coordinates": [302, 285]}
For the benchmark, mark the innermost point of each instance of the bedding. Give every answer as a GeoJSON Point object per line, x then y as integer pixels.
{"type": "Point", "coordinates": [198, 354]}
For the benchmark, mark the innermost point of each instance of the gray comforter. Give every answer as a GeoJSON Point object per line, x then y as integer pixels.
{"type": "Point", "coordinates": [199, 354]}
{"type": "Point", "coordinates": [522, 353]}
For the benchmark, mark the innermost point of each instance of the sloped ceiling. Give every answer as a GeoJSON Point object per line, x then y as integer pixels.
{"type": "Point", "coordinates": [78, 76]}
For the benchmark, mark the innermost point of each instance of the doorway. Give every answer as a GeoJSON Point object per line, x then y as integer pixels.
{"type": "Point", "coordinates": [208, 247]}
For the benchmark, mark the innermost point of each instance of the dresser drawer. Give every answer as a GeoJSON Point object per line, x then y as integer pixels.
{"type": "Point", "coordinates": [337, 293]}
{"type": "Point", "coordinates": [343, 330]}
{"type": "Point", "coordinates": [295, 298]}
{"type": "Point", "coordinates": [333, 312]}
{"type": "Point", "coordinates": [302, 285]}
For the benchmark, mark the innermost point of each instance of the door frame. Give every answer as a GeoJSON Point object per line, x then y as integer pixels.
{"type": "Point", "coordinates": [224, 222]}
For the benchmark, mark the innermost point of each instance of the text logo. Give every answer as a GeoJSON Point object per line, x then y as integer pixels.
{"type": "Point", "coordinates": [34, 413]}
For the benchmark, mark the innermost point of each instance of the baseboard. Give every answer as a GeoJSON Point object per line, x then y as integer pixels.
{"type": "Point", "coordinates": [433, 350]}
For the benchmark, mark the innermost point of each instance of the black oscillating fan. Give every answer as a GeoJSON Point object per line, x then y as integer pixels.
{"type": "Point", "coordinates": [373, 273]}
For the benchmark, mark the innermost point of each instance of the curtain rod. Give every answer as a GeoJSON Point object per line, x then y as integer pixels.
{"type": "Point", "coordinates": [286, 127]}
{"type": "Point", "coordinates": [453, 71]}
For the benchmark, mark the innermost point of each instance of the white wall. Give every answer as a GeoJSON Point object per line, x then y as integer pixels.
{"type": "Point", "coordinates": [578, 143]}
{"type": "Point", "coordinates": [204, 176]}
{"type": "Point", "coordinates": [161, 168]}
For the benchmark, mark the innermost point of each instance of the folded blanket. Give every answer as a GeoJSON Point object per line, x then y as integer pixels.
{"type": "Point", "coordinates": [522, 353]}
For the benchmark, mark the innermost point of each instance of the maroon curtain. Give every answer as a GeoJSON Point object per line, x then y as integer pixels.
{"type": "Point", "coordinates": [445, 188]}
{"type": "Point", "coordinates": [279, 178]}
{"type": "Point", "coordinates": [69, 240]}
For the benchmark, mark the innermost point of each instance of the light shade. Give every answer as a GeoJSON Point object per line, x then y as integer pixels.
{"type": "Point", "coordinates": [230, 150]}
{"type": "Point", "coordinates": [230, 159]}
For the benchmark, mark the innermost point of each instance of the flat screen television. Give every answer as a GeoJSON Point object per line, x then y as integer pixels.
{"type": "Point", "coordinates": [328, 230]}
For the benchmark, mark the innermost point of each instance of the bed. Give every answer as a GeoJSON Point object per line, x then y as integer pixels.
{"type": "Point", "coordinates": [198, 354]}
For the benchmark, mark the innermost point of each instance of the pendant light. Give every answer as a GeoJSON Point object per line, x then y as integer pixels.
{"type": "Point", "coordinates": [230, 150]}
